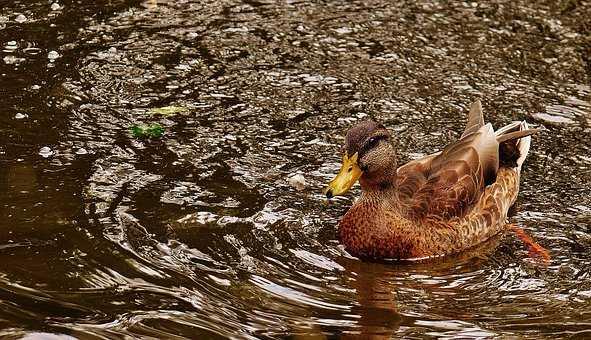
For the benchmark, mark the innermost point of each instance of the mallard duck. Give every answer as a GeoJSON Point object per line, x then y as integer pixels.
{"type": "Point", "coordinates": [437, 205]}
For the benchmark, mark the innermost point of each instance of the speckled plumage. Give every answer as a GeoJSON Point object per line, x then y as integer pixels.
{"type": "Point", "coordinates": [377, 227]}
{"type": "Point", "coordinates": [440, 204]}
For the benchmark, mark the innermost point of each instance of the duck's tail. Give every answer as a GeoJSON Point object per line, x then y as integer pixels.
{"type": "Point", "coordinates": [514, 141]}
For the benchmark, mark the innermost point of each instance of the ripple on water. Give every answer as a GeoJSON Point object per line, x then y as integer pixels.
{"type": "Point", "coordinates": [575, 108]}
{"type": "Point", "coordinates": [199, 233]}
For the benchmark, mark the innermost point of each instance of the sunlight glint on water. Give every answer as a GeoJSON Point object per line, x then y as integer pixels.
{"type": "Point", "coordinates": [200, 234]}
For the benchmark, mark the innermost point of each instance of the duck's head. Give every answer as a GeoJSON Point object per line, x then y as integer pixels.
{"type": "Point", "coordinates": [369, 155]}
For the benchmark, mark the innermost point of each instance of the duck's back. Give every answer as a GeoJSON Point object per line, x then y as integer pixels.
{"type": "Point", "coordinates": [449, 184]}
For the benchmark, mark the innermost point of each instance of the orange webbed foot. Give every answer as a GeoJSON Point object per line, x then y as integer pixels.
{"type": "Point", "coordinates": [533, 248]}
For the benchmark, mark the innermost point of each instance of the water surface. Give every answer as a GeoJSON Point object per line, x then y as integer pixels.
{"type": "Point", "coordinates": [198, 234]}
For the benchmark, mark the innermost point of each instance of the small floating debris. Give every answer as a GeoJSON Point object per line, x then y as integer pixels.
{"type": "Point", "coordinates": [154, 130]}
{"type": "Point", "coordinates": [52, 55]}
{"type": "Point", "coordinates": [168, 110]}
{"type": "Point", "coordinates": [20, 116]}
{"type": "Point", "coordinates": [297, 181]}
{"type": "Point", "coordinates": [45, 152]}
{"type": "Point", "coordinates": [55, 6]}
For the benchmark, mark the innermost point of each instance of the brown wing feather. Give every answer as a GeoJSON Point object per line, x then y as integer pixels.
{"type": "Point", "coordinates": [475, 119]}
{"type": "Point", "coordinates": [457, 176]}
{"type": "Point", "coordinates": [412, 176]}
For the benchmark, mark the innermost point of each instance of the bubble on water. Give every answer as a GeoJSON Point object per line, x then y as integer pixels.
{"type": "Point", "coordinates": [20, 116]}
{"type": "Point", "coordinates": [55, 6]}
{"type": "Point", "coordinates": [35, 87]}
{"type": "Point", "coordinates": [45, 152]}
{"type": "Point", "coordinates": [183, 67]}
{"type": "Point", "coordinates": [236, 29]}
{"type": "Point", "coordinates": [81, 151]}
{"type": "Point", "coordinates": [11, 45]}
{"type": "Point", "coordinates": [3, 19]}
{"type": "Point", "coordinates": [11, 60]}
{"type": "Point", "coordinates": [313, 78]}
{"type": "Point", "coordinates": [20, 18]}
{"type": "Point", "coordinates": [52, 55]}
{"type": "Point", "coordinates": [343, 30]}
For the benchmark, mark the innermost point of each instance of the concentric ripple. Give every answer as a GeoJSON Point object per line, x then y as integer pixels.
{"type": "Point", "coordinates": [199, 234]}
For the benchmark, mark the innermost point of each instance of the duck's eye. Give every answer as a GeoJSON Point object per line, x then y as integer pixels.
{"type": "Point", "coordinates": [373, 141]}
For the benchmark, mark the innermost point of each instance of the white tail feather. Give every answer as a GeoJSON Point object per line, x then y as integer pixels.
{"type": "Point", "coordinates": [523, 145]}
{"type": "Point", "coordinates": [510, 127]}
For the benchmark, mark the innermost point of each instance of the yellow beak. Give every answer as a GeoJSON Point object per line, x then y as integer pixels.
{"type": "Point", "coordinates": [348, 175]}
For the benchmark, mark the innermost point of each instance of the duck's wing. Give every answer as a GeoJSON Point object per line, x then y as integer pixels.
{"type": "Point", "coordinates": [414, 175]}
{"type": "Point", "coordinates": [475, 119]}
{"type": "Point", "coordinates": [449, 183]}
{"type": "Point", "coordinates": [457, 176]}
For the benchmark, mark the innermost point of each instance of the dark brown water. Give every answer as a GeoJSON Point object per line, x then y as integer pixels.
{"type": "Point", "coordinates": [198, 234]}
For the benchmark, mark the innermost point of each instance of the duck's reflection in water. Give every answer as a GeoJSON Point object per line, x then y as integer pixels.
{"type": "Point", "coordinates": [377, 286]}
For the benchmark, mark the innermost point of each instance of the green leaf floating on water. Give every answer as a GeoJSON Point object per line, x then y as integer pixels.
{"type": "Point", "coordinates": [154, 130]}
{"type": "Point", "coordinates": [167, 110]}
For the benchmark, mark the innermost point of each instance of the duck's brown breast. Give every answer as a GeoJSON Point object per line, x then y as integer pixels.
{"type": "Point", "coordinates": [368, 231]}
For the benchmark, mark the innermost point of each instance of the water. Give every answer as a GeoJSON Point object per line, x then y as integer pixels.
{"type": "Point", "coordinates": [199, 233]}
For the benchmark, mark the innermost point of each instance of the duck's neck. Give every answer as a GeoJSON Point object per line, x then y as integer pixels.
{"type": "Point", "coordinates": [381, 183]}
{"type": "Point", "coordinates": [379, 195]}
{"type": "Point", "coordinates": [379, 187]}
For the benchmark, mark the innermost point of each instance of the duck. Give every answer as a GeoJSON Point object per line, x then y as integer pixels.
{"type": "Point", "coordinates": [438, 205]}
